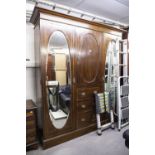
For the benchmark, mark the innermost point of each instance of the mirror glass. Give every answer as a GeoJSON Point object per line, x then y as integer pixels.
{"type": "Point", "coordinates": [58, 79]}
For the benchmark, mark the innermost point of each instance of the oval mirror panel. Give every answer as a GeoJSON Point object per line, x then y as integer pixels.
{"type": "Point", "coordinates": [58, 79]}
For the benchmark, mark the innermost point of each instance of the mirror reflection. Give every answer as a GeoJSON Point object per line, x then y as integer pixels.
{"type": "Point", "coordinates": [58, 79]}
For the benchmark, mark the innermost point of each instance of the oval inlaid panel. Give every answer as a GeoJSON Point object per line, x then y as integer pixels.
{"type": "Point", "coordinates": [89, 59]}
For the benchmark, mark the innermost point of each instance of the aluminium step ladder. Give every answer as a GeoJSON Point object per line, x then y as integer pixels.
{"type": "Point", "coordinates": [105, 101]}
{"type": "Point", "coordinates": [102, 101]}
{"type": "Point", "coordinates": [111, 73]}
{"type": "Point", "coordinates": [122, 84]}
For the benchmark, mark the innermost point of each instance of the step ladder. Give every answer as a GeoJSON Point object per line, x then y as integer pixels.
{"type": "Point", "coordinates": [102, 101]}
{"type": "Point", "coordinates": [105, 101]}
{"type": "Point", "coordinates": [123, 102]}
{"type": "Point", "coordinates": [116, 79]}
{"type": "Point", "coordinates": [111, 73]}
{"type": "Point", "coordinates": [122, 84]}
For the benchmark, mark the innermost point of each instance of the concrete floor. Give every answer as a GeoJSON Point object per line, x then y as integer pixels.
{"type": "Point", "coordinates": [110, 143]}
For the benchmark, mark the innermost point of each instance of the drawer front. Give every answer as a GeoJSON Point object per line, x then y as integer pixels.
{"type": "Point", "coordinates": [87, 105]}
{"type": "Point", "coordinates": [30, 115]}
{"type": "Point", "coordinates": [30, 139]}
{"type": "Point", "coordinates": [31, 132]}
{"type": "Point", "coordinates": [85, 119]}
{"type": "Point", "coordinates": [30, 124]}
{"type": "Point", "coordinates": [87, 93]}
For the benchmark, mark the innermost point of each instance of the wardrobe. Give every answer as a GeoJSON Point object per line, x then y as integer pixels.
{"type": "Point", "coordinates": [78, 66]}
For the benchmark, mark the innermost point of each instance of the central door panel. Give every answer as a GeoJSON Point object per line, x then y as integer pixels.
{"type": "Point", "coordinates": [89, 57]}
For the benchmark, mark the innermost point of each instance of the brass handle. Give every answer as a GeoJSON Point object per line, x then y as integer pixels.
{"type": "Point", "coordinates": [83, 119]}
{"type": "Point", "coordinates": [83, 93]}
{"type": "Point", "coordinates": [83, 106]}
{"type": "Point", "coordinates": [95, 91]}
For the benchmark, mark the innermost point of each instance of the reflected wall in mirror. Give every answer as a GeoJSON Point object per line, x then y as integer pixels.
{"type": "Point", "coordinates": [58, 79]}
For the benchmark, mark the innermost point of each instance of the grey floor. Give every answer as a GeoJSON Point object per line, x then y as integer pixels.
{"type": "Point", "coordinates": [110, 143]}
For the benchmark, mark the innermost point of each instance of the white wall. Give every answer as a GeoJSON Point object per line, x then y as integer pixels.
{"type": "Point", "coordinates": [30, 45]}
{"type": "Point", "coordinates": [30, 84]}
{"type": "Point", "coordinates": [30, 65]}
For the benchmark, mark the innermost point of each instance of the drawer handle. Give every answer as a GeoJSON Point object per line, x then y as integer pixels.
{"type": "Point", "coordinates": [83, 119]}
{"type": "Point", "coordinates": [95, 91]}
{"type": "Point", "coordinates": [83, 106]}
{"type": "Point", "coordinates": [83, 93]}
{"type": "Point", "coordinates": [31, 112]}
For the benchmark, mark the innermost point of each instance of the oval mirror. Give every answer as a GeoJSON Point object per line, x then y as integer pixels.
{"type": "Point", "coordinates": [58, 79]}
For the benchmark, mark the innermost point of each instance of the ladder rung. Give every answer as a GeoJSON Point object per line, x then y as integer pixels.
{"type": "Point", "coordinates": [124, 95]}
{"type": "Point", "coordinates": [125, 85]}
{"type": "Point", "coordinates": [125, 40]}
{"type": "Point", "coordinates": [124, 124]}
{"type": "Point", "coordinates": [124, 76]}
{"type": "Point", "coordinates": [114, 51]}
{"type": "Point", "coordinates": [122, 65]}
{"type": "Point", "coordinates": [115, 64]}
{"type": "Point", "coordinates": [124, 52]}
{"type": "Point", "coordinates": [123, 108]}
{"type": "Point", "coordinates": [113, 75]}
{"type": "Point", "coordinates": [113, 87]}
{"type": "Point", "coordinates": [121, 40]}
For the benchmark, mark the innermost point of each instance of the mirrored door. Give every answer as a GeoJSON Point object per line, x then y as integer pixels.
{"type": "Point", "coordinates": [58, 79]}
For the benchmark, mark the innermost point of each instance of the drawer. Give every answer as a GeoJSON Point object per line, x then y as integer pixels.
{"type": "Point", "coordinates": [87, 93]}
{"type": "Point", "coordinates": [30, 123]}
{"type": "Point", "coordinates": [30, 139]}
{"type": "Point", "coordinates": [86, 118]}
{"type": "Point", "coordinates": [86, 105]}
{"type": "Point", "coordinates": [30, 115]}
{"type": "Point", "coordinates": [31, 132]}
